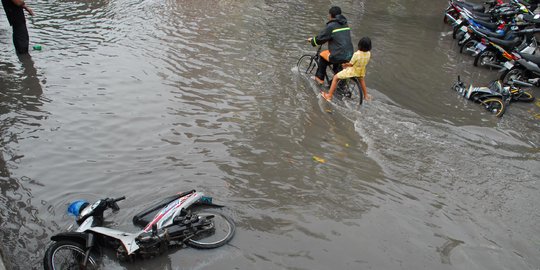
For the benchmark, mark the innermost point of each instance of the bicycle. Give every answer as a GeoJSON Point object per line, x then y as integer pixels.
{"type": "Point", "coordinates": [348, 90]}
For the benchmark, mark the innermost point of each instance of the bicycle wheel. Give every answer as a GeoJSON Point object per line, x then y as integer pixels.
{"type": "Point", "coordinates": [494, 105]}
{"type": "Point", "coordinates": [67, 255]}
{"type": "Point", "coordinates": [216, 234]}
{"type": "Point", "coordinates": [307, 64]}
{"type": "Point", "coordinates": [351, 93]}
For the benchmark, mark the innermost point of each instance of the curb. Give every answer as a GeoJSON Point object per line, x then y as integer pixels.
{"type": "Point", "coordinates": [2, 264]}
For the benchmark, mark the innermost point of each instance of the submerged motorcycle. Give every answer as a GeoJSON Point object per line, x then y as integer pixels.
{"type": "Point", "coordinates": [178, 220]}
{"type": "Point", "coordinates": [495, 97]}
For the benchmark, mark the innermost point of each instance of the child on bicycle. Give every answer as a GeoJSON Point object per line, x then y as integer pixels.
{"type": "Point", "coordinates": [355, 68]}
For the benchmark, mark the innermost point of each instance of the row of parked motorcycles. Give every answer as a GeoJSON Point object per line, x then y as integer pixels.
{"type": "Point", "coordinates": [499, 36]}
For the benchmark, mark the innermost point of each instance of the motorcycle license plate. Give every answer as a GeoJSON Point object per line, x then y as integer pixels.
{"type": "Point", "coordinates": [459, 21]}
{"type": "Point", "coordinates": [481, 47]}
{"type": "Point", "coordinates": [508, 65]}
{"type": "Point", "coordinates": [467, 36]}
{"type": "Point", "coordinates": [463, 28]}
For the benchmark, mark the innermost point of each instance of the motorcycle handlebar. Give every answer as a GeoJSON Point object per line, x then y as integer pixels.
{"type": "Point", "coordinates": [119, 199]}
{"type": "Point", "coordinates": [112, 203]}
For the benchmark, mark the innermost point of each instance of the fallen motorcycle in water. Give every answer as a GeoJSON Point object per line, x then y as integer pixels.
{"type": "Point", "coordinates": [178, 220]}
{"type": "Point", "coordinates": [495, 97]}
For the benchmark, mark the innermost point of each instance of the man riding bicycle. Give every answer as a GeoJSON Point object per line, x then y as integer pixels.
{"type": "Point", "coordinates": [340, 49]}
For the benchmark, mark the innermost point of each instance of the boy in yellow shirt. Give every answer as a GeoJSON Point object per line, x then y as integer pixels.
{"type": "Point", "coordinates": [355, 68]}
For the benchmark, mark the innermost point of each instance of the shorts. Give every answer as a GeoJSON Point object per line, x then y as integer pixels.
{"type": "Point", "coordinates": [347, 73]}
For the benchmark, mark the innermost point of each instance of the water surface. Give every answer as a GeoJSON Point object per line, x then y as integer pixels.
{"type": "Point", "coordinates": [148, 98]}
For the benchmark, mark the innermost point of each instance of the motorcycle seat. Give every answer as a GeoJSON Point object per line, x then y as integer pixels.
{"type": "Point", "coordinates": [533, 58]}
{"type": "Point", "coordinates": [482, 16]}
{"type": "Point", "coordinates": [489, 33]}
{"type": "Point", "coordinates": [144, 217]}
{"type": "Point", "coordinates": [506, 44]}
{"type": "Point", "coordinates": [489, 25]}
{"type": "Point", "coordinates": [532, 19]}
{"type": "Point", "coordinates": [470, 6]}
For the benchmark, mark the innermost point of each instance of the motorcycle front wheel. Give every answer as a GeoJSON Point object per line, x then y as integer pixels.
{"type": "Point", "coordinates": [494, 105]}
{"type": "Point", "coordinates": [67, 255]}
{"type": "Point", "coordinates": [218, 233]}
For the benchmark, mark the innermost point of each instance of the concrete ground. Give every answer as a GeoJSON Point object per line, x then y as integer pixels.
{"type": "Point", "coordinates": [2, 267]}
{"type": "Point", "coordinates": [2, 264]}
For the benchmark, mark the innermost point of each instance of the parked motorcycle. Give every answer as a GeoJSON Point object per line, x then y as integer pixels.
{"type": "Point", "coordinates": [494, 21]}
{"type": "Point", "coordinates": [495, 97]}
{"type": "Point", "coordinates": [175, 221]}
{"type": "Point", "coordinates": [523, 68]}
{"type": "Point", "coordinates": [452, 13]}
{"type": "Point", "coordinates": [520, 28]}
{"type": "Point", "coordinates": [461, 28]}
{"type": "Point", "coordinates": [469, 41]}
{"type": "Point", "coordinates": [492, 52]}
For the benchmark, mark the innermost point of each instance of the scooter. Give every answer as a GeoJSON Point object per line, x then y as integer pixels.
{"type": "Point", "coordinates": [178, 220]}
{"type": "Point", "coordinates": [495, 97]}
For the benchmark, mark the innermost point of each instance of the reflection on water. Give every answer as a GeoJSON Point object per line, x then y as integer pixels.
{"type": "Point", "coordinates": [23, 231]}
{"type": "Point", "coordinates": [148, 98]}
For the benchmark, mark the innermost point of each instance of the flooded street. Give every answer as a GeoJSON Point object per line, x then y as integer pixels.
{"type": "Point", "coordinates": [144, 99]}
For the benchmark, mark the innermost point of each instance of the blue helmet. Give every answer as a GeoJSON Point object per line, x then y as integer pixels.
{"type": "Point", "coordinates": [76, 207]}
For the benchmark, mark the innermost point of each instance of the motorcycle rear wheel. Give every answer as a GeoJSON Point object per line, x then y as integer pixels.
{"type": "Point", "coordinates": [485, 57]}
{"type": "Point", "coordinates": [468, 46]}
{"type": "Point", "coordinates": [67, 255]}
{"type": "Point", "coordinates": [525, 97]}
{"type": "Point", "coordinates": [514, 74]}
{"type": "Point", "coordinates": [494, 105]}
{"type": "Point", "coordinates": [456, 30]}
{"type": "Point", "coordinates": [220, 233]}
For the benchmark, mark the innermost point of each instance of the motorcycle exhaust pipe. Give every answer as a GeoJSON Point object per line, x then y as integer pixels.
{"type": "Point", "coordinates": [471, 51]}
{"type": "Point", "coordinates": [521, 83]}
{"type": "Point", "coordinates": [493, 65]}
{"type": "Point", "coordinates": [452, 19]}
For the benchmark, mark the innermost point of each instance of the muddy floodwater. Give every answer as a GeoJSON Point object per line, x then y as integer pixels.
{"type": "Point", "coordinates": [147, 98]}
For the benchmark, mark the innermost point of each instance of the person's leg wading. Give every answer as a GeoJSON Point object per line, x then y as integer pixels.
{"type": "Point", "coordinates": [321, 69]}
{"type": "Point", "coordinates": [20, 38]}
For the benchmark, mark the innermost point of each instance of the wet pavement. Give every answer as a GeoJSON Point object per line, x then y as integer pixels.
{"type": "Point", "coordinates": [148, 98]}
